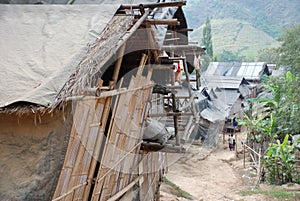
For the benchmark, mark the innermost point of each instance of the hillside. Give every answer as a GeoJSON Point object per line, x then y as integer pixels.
{"type": "Point", "coordinates": [236, 36]}
{"type": "Point", "coordinates": [261, 22]}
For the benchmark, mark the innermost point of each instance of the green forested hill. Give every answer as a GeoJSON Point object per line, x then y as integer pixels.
{"type": "Point", "coordinates": [242, 26]}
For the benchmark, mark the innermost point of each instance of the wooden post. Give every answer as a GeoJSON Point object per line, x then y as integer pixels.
{"type": "Point", "coordinates": [188, 82]}
{"type": "Point", "coordinates": [175, 118]}
{"type": "Point", "coordinates": [244, 153]}
{"type": "Point", "coordinates": [258, 168]}
{"type": "Point", "coordinates": [235, 136]}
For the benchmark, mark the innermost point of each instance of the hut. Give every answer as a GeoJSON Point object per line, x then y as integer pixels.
{"type": "Point", "coordinates": [252, 71]}
{"type": "Point", "coordinates": [71, 123]}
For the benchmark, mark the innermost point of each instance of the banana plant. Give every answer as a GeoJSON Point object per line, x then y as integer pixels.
{"type": "Point", "coordinates": [280, 162]}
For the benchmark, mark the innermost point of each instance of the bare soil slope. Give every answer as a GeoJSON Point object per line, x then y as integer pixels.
{"type": "Point", "coordinates": [211, 174]}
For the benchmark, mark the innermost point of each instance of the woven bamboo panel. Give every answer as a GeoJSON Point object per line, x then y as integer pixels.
{"type": "Point", "coordinates": [84, 134]}
{"type": "Point", "coordinates": [119, 165]}
{"type": "Point", "coordinates": [151, 168]}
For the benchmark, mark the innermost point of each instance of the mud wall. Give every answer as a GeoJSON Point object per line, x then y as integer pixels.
{"type": "Point", "coordinates": [32, 154]}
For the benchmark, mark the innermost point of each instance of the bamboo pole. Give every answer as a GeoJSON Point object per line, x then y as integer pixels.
{"type": "Point", "coordinates": [175, 118]}
{"type": "Point", "coordinates": [103, 123]}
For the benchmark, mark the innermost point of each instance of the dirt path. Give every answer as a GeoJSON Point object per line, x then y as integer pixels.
{"type": "Point", "coordinates": [208, 175]}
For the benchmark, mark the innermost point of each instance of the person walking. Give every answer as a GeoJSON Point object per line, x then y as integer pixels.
{"type": "Point", "coordinates": [231, 141]}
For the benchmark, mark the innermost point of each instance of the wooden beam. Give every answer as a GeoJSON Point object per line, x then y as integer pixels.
{"type": "Point", "coordinates": [170, 114]}
{"type": "Point", "coordinates": [183, 30]}
{"type": "Point", "coordinates": [162, 21]}
{"type": "Point", "coordinates": [152, 43]}
{"type": "Point", "coordinates": [107, 94]}
{"type": "Point", "coordinates": [154, 147]}
{"type": "Point", "coordinates": [154, 5]}
{"type": "Point", "coordinates": [177, 97]}
{"type": "Point", "coordinates": [179, 47]}
{"type": "Point", "coordinates": [171, 39]}
{"type": "Point", "coordinates": [162, 67]}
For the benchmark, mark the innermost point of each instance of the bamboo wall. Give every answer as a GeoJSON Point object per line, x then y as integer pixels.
{"type": "Point", "coordinates": [104, 166]}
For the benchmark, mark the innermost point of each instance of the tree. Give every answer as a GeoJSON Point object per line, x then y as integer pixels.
{"type": "Point", "coordinates": [228, 56]}
{"type": "Point", "coordinates": [269, 55]}
{"type": "Point", "coordinates": [290, 49]}
{"type": "Point", "coordinates": [206, 40]}
{"type": "Point", "coordinates": [276, 116]}
{"type": "Point", "coordinates": [205, 60]}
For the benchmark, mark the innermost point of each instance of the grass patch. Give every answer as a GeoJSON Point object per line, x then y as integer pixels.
{"type": "Point", "coordinates": [274, 193]}
{"type": "Point", "coordinates": [176, 190]}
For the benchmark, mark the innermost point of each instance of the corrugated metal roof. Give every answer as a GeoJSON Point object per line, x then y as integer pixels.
{"type": "Point", "coordinates": [212, 115]}
{"type": "Point", "coordinates": [222, 82]}
{"type": "Point", "coordinates": [251, 71]}
{"type": "Point", "coordinates": [248, 70]}
{"type": "Point", "coordinates": [227, 96]}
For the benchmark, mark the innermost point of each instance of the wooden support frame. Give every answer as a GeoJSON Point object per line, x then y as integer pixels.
{"type": "Point", "coordinates": [154, 5]}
